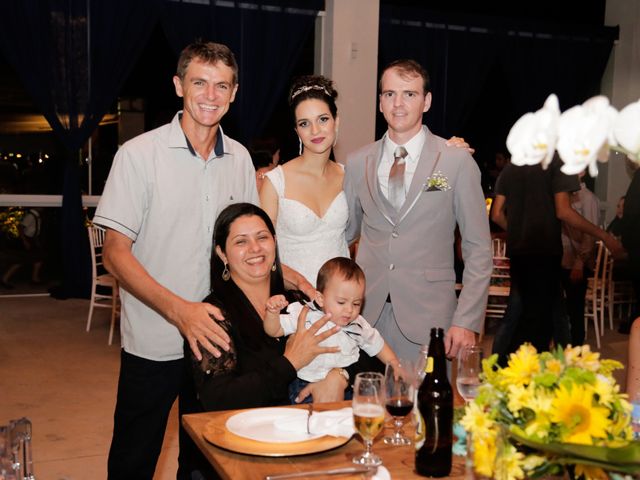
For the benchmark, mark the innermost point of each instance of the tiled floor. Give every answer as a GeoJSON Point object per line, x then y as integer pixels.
{"type": "Point", "coordinates": [64, 380]}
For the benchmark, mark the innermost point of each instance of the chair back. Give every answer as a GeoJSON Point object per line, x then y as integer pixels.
{"type": "Point", "coordinates": [599, 270]}
{"type": "Point", "coordinates": [499, 247]}
{"type": "Point", "coordinates": [96, 241]}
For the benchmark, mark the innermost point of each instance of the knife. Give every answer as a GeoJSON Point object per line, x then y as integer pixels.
{"type": "Point", "coordinates": [317, 473]}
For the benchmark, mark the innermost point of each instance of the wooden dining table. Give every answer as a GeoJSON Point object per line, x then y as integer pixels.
{"type": "Point", "coordinates": [399, 460]}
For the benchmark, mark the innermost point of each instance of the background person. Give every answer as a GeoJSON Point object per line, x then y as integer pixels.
{"type": "Point", "coordinates": [578, 260]}
{"type": "Point", "coordinates": [615, 227]}
{"type": "Point", "coordinates": [530, 203]}
{"type": "Point", "coordinates": [31, 252]}
{"type": "Point", "coordinates": [631, 240]}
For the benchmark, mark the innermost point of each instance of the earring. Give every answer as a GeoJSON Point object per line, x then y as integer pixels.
{"type": "Point", "coordinates": [225, 273]}
{"type": "Point", "coordinates": [299, 146]}
{"type": "Point", "coordinates": [335, 139]}
{"type": "Point", "coordinates": [273, 267]}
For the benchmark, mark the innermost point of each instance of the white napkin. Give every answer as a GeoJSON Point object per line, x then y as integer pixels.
{"type": "Point", "coordinates": [337, 423]}
{"type": "Point", "coordinates": [382, 474]}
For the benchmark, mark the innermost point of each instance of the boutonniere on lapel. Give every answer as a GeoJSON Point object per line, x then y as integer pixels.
{"type": "Point", "coordinates": [438, 181]}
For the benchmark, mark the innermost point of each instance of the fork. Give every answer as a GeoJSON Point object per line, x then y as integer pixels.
{"type": "Point", "coordinates": [309, 413]}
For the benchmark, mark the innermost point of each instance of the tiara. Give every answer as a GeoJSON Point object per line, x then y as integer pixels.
{"type": "Point", "coordinates": [306, 88]}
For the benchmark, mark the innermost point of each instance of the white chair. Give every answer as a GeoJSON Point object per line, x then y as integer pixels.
{"type": "Point", "coordinates": [499, 247]}
{"type": "Point", "coordinates": [101, 278]}
{"type": "Point", "coordinates": [615, 292]}
{"type": "Point", "coordinates": [594, 297]}
{"type": "Point", "coordinates": [500, 285]}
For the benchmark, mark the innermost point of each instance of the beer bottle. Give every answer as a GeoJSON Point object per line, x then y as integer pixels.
{"type": "Point", "coordinates": [435, 407]}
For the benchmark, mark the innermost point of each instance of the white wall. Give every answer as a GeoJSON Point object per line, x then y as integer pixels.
{"type": "Point", "coordinates": [348, 54]}
{"type": "Point", "coordinates": [621, 84]}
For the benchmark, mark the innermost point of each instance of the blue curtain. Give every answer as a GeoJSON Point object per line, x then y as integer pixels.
{"type": "Point", "coordinates": [73, 57]}
{"type": "Point", "coordinates": [465, 55]}
{"type": "Point", "coordinates": [266, 37]}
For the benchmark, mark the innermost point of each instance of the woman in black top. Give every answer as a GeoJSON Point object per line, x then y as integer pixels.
{"type": "Point", "coordinates": [245, 272]}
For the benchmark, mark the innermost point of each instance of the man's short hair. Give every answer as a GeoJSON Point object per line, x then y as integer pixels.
{"type": "Point", "coordinates": [207, 52]}
{"type": "Point", "coordinates": [346, 268]}
{"type": "Point", "coordinates": [409, 68]}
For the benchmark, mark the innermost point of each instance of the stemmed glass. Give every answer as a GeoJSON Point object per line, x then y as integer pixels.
{"type": "Point", "coordinates": [469, 369]}
{"type": "Point", "coordinates": [368, 413]}
{"type": "Point", "coordinates": [468, 381]}
{"type": "Point", "coordinates": [399, 386]}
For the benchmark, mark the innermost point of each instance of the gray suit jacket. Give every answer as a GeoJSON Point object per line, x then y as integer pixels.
{"type": "Point", "coordinates": [409, 254]}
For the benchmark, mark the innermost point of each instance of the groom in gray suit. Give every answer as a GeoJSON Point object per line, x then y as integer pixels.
{"type": "Point", "coordinates": [406, 193]}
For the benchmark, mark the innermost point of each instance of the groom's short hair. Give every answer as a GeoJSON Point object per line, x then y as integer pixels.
{"type": "Point", "coordinates": [410, 69]}
{"type": "Point", "coordinates": [345, 267]}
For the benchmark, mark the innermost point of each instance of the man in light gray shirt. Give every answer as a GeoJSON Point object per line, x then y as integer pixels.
{"type": "Point", "coordinates": [161, 199]}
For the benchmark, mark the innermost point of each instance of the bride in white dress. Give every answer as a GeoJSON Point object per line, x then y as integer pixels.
{"type": "Point", "coordinates": [304, 197]}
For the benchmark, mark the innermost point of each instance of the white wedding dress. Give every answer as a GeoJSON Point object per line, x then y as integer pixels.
{"type": "Point", "coordinates": [306, 241]}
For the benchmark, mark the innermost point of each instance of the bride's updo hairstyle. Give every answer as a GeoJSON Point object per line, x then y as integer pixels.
{"type": "Point", "coordinates": [313, 86]}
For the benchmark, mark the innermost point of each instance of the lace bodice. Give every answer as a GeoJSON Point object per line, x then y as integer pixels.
{"type": "Point", "coordinates": [306, 241]}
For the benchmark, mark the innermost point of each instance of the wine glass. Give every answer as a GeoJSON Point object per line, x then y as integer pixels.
{"type": "Point", "coordinates": [368, 413]}
{"type": "Point", "coordinates": [399, 390]}
{"type": "Point", "coordinates": [469, 369]}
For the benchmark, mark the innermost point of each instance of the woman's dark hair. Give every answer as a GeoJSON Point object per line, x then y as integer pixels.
{"type": "Point", "coordinates": [312, 86]}
{"type": "Point", "coordinates": [220, 234]}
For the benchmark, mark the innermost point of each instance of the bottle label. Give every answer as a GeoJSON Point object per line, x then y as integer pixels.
{"type": "Point", "coordinates": [420, 430]}
{"type": "Point", "coordinates": [428, 366]}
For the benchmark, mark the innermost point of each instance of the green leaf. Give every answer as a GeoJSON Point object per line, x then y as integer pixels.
{"type": "Point", "coordinates": [546, 379]}
{"type": "Point", "coordinates": [623, 459]}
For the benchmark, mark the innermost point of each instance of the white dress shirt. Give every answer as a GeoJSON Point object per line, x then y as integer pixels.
{"type": "Point", "coordinates": [413, 147]}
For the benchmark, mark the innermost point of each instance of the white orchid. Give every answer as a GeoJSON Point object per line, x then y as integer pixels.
{"type": "Point", "coordinates": [626, 131]}
{"type": "Point", "coordinates": [582, 131]}
{"type": "Point", "coordinates": [532, 138]}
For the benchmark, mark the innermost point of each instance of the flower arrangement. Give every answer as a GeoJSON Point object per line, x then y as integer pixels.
{"type": "Point", "coordinates": [438, 181]}
{"type": "Point", "coordinates": [581, 135]}
{"type": "Point", "coordinates": [550, 413]}
{"type": "Point", "coordinates": [10, 221]}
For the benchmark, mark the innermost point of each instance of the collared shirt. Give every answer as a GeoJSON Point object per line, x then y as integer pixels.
{"type": "Point", "coordinates": [165, 197]}
{"type": "Point", "coordinates": [414, 149]}
{"type": "Point", "coordinates": [359, 334]}
{"type": "Point", "coordinates": [578, 247]}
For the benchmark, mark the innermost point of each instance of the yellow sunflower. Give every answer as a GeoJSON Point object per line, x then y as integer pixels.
{"type": "Point", "coordinates": [476, 420]}
{"type": "Point", "coordinates": [582, 357]}
{"type": "Point", "coordinates": [540, 425]}
{"type": "Point", "coordinates": [484, 454]}
{"type": "Point", "coordinates": [508, 466]}
{"type": "Point", "coordinates": [519, 397]}
{"type": "Point", "coordinates": [554, 366]}
{"type": "Point", "coordinates": [579, 418]}
{"type": "Point", "coordinates": [605, 387]}
{"type": "Point", "coordinates": [523, 365]}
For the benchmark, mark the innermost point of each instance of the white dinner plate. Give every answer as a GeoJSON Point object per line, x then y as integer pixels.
{"type": "Point", "coordinates": [258, 424]}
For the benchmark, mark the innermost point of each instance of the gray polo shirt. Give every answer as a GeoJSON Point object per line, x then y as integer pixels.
{"type": "Point", "coordinates": [166, 198]}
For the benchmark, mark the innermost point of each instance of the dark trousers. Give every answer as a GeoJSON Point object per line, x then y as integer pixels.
{"type": "Point", "coordinates": [146, 392]}
{"type": "Point", "coordinates": [509, 323]}
{"type": "Point", "coordinates": [575, 297]}
{"type": "Point", "coordinates": [536, 280]}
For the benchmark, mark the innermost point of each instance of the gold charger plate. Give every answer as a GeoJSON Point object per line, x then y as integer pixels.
{"type": "Point", "coordinates": [216, 433]}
